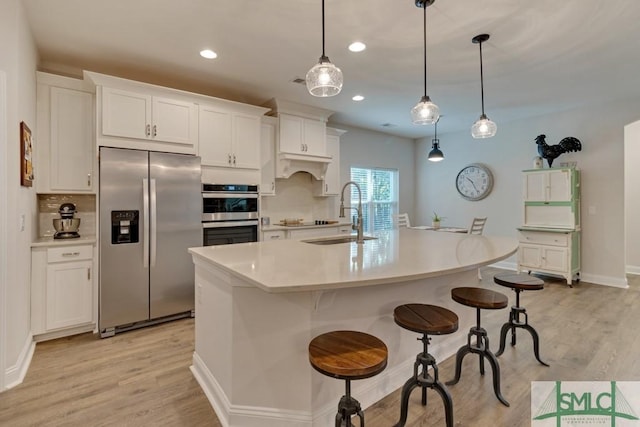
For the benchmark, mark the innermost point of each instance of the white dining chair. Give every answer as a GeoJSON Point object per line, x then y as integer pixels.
{"type": "Point", "coordinates": [477, 227]}
{"type": "Point", "coordinates": [402, 220]}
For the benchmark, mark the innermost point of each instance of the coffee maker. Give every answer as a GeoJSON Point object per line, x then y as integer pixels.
{"type": "Point", "coordinates": [66, 226]}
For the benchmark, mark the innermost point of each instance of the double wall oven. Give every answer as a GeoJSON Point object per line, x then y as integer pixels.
{"type": "Point", "coordinates": [229, 214]}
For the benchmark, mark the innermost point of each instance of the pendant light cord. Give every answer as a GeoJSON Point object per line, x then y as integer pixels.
{"type": "Point", "coordinates": [424, 27]}
{"type": "Point", "coordinates": [323, 55]}
{"type": "Point", "coordinates": [481, 80]}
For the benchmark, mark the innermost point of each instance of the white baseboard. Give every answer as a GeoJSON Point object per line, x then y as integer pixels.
{"type": "Point", "coordinates": [616, 282]}
{"type": "Point", "coordinates": [240, 415]}
{"type": "Point", "coordinates": [15, 374]}
{"type": "Point", "coordinates": [633, 269]}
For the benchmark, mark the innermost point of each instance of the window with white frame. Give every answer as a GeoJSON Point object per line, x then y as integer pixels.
{"type": "Point", "coordinates": [379, 196]}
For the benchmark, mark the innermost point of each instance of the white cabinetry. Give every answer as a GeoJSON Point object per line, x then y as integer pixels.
{"type": "Point", "coordinates": [548, 185]}
{"type": "Point", "coordinates": [267, 156]}
{"type": "Point", "coordinates": [330, 185]}
{"type": "Point", "coordinates": [273, 235]}
{"type": "Point", "coordinates": [550, 234]}
{"type": "Point", "coordinates": [550, 251]}
{"type": "Point", "coordinates": [130, 114]}
{"type": "Point", "coordinates": [62, 288]}
{"type": "Point", "coordinates": [229, 138]}
{"type": "Point", "coordinates": [299, 135]}
{"type": "Point", "coordinates": [65, 150]}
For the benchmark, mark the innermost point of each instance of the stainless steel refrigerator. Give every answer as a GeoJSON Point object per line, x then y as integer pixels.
{"type": "Point", "coordinates": [150, 213]}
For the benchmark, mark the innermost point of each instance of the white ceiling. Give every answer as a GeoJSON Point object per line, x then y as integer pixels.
{"type": "Point", "coordinates": [543, 55]}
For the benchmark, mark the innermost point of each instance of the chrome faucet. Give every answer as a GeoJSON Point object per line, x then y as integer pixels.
{"type": "Point", "coordinates": [357, 225]}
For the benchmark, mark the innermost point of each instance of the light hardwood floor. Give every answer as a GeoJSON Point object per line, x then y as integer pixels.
{"type": "Point", "coordinates": [141, 378]}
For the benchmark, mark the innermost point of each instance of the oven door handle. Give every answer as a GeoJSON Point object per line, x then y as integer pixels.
{"type": "Point", "coordinates": [222, 224]}
{"type": "Point", "coordinates": [229, 196]}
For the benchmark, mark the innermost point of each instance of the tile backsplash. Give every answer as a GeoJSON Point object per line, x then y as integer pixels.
{"type": "Point", "coordinates": [48, 205]}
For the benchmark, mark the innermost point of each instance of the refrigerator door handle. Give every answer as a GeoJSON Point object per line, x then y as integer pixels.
{"type": "Point", "coordinates": [145, 218]}
{"type": "Point", "coordinates": [154, 222]}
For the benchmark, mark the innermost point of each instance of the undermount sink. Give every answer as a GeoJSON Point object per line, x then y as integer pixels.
{"type": "Point", "coordinates": [336, 240]}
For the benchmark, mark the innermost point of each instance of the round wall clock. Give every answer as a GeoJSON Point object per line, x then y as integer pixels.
{"type": "Point", "coordinates": [474, 182]}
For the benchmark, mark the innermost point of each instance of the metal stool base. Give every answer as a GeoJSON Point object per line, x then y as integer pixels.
{"type": "Point", "coordinates": [482, 349]}
{"type": "Point", "coordinates": [424, 380]}
{"type": "Point", "coordinates": [348, 407]}
{"type": "Point", "coordinates": [513, 323]}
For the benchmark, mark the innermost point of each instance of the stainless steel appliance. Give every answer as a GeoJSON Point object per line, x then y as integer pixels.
{"type": "Point", "coordinates": [66, 226]}
{"type": "Point", "coordinates": [150, 213]}
{"type": "Point", "coordinates": [229, 214]}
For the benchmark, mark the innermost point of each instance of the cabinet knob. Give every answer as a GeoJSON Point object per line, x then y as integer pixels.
{"type": "Point", "coordinates": [148, 130]}
{"type": "Point", "coordinates": [234, 160]}
{"type": "Point", "coordinates": [155, 130]}
{"type": "Point", "coordinates": [88, 180]}
{"type": "Point", "coordinates": [70, 253]}
{"type": "Point", "coordinates": [229, 158]}
{"type": "Point", "coordinates": [273, 185]}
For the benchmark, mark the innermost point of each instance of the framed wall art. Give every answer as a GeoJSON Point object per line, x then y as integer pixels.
{"type": "Point", "coordinates": [26, 156]}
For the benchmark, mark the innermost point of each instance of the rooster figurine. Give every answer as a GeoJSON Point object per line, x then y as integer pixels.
{"type": "Point", "coordinates": [550, 152]}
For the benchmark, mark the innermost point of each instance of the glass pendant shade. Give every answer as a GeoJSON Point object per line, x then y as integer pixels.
{"type": "Point", "coordinates": [435, 155]}
{"type": "Point", "coordinates": [483, 128]}
{"type": "Point", "coordinates": [425, 112]}
{"type": "Point", "coordinates": [324, 79]}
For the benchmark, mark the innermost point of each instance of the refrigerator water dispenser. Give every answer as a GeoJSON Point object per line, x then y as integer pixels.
{"type": "Point", "coordinates": [124, 227]}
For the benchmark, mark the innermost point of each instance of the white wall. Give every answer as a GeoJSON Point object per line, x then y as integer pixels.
{"type": "Point", "coordinates": [18, 60]}
{"type": "Point", "coordinates": [632, 196]}
{"type": "Point", "coordinates": [600, 128]}
{"type": "Point", "coordinates": [365, 148]}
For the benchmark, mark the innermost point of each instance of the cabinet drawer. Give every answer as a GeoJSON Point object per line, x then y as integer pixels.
{"type": "Point", "coordinates": [69, 253]}
{"type": "Point", "coordinates": [542, 238]}
{"type": "Point", "coordinates": [273, 235]}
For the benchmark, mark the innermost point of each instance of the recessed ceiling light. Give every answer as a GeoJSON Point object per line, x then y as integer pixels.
{"type": "Point", "coordinates": [208, 53]}
{"type": "Point", "coordinates": [357, 47]}
{"type": "Point", "coordinates": [358, 98]}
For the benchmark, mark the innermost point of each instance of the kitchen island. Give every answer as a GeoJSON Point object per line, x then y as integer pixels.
{"type": "Point", "coordinates": [259, 304]}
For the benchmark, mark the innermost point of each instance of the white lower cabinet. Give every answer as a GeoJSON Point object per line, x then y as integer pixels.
{"type": "Point", "coordinates": [306, 232]}
{"type": "Point", "coordinates": [273, 235]}
{"type": "Point", "coordinates": [62, 287]}
{"type": "Point", "coordinates": [554, 252]}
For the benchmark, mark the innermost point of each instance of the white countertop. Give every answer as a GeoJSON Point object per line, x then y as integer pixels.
{"type": "Point", "coordinates": [396, 256]}
{"type": "Point", "coordinates": [51, 242]}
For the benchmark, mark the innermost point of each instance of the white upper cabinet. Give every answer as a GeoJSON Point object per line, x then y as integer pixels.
{"type": "Point", "coordinates": [299, 135]}
{"type": "Point", "coordinates": [228, 137]}
{"type": "Point", "coordinates": [129, 114]}
{"type": "Point", "coordinates": [330, 185]}
{"type": "Point", "coordinates": [267, 157]}
{"type": "Point", "coordinates": [548, 185]}
{"type": "Point", "coordinates": [65, 149]}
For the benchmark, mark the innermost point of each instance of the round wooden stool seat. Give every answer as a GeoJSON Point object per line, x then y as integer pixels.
{"type": "Point", "coordinates": [524, 282]}
{"type": "Point", "coordinates": [479, 298]}
{"type": "Point", "coordinates": [348, 355]}
{"type": "Point", "coordinates": [426, 319]}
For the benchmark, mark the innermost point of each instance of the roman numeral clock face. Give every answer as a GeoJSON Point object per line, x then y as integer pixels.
{"type": "Point", "coordinates": [474, 182]}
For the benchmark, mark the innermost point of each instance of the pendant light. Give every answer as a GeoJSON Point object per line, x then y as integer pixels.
{"type": "Point", "coordinates": [483, 127]}
{"type": "Point", "coordinates": [324, 79]}
{"type": "Point", "coordinates": [435, 155]}
{"type": "Point", "coordinates": [425, 112]}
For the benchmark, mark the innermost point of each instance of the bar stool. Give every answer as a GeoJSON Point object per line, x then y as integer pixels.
{"type": "Point", "coordinates": [426, 320]}
{"type": "Point", "coordinates": [348, 355]}
{"type": "Point", "coordinates": [479, 299]}
{"type": "Point", "coordinates": [519, 282]}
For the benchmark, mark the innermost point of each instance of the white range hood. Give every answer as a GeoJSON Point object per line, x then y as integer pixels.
{"type": "Point", "coordinates": [288, 164]}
